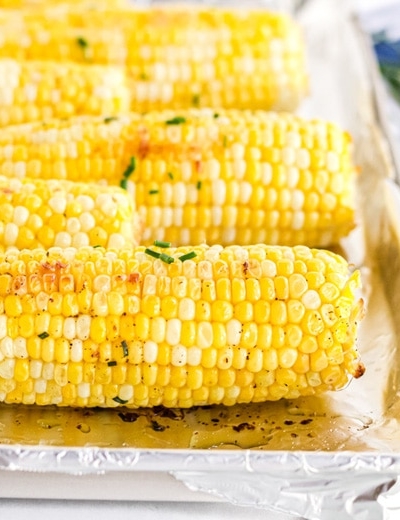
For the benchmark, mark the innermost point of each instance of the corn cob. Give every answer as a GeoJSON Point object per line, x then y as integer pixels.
{"type": "Point", "coordinates": [175, 327]}
{"type": "Point", "coordinates": [45, 213]}
{"type": "Point", "coordinates": [89, 4]}
{"type": "Point", "coordinates": [32, 91]}
{"type": "Point", "coordinates": [175, 57]}
{"type": "Point", "coordinates": [228, 177]}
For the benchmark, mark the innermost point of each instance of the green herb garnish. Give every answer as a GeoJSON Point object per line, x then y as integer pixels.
{"type": "Point", "coordinates": [216, 115]}
{"type": "Point", "coordinates": [119, 400]}
{"type": "Point", "coordinates": [178, 120]}
{"type": "Point", "coordinates": [125, 349]}
{"type": "Point", "coordinates": [43, 335]}
{"type": "Point", "coordinates": [112, 364]}
{"type": "Point", "coordinates": [171, 176]}
{"type": "Point", "coordinates": [84, 45]}
{"type": "Point", "coordinates": [166, 258]}
{"type": "Point", "coordinates": [110, 119]}
{"type": "Point", "coordinates": [153, 192]}
{"type": "Point", "coordinates": [82, 42]}
{"type": "Point", "coordinates": [130, 168]}
{"type": "Point", "coordinates": [160, 243]}
{"type": "Point", "coordinates": [198, 185]}
{"type": "Point", "coordinates": [96, 246]}
{"type": "Point", "coordinates": [188, 256]}
{"type": "Point", "coordinates": [152, 253]}
{"type": "Point", "coordinates": [124, 184]}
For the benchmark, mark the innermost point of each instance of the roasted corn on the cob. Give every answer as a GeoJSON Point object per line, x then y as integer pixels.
{"type": "Point", "coordinates": [178, 57]}
{"type": "Point", "coordinates": [45, 213]}
{"type": "Point", "coordinates": [88, 4]}
{"type": "Point", "coordinates": [202, 176]}
{"type": "Point", "coordinates": [34, 91]}
{"type": "Point", "coordinates": [175, 327]}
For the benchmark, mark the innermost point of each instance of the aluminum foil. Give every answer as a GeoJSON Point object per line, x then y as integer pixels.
{"type": "Point", "coordinates": [333, 456]}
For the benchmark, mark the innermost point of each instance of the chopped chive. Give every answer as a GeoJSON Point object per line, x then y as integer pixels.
{"type": "Point", "coordinates": [97, 245]}
{"type": "Point", "coordinates": [82, 42]}
{"type": "Point", "coordinates": [130, 168]}
{"type": "Point", "coordinates": [196, 100]}
{"type": "Point", "coordinates": [124, 184]}
{"type": "Point", "coordinates": [125, 349]}
{"type": "Point", "coordinates": [166, 258]}
{"type": "Point", "coordinates": [152, 253]}
{"type": "Point", "coordinates": [198, 185]}
{"type": "Point", "coordinates": [43, 335]}
{"type": "Point", "coordinates": [216, 115]}
{"type": "Point", "coordinates": [171, 175]}
{"type": "Point", "coordinates": [153, 192]}
{"type": "Point", "coordinates": [143, 76]}
{"type": "Point", "coordinates": [119, 400]}
{"type": "Point", "coordinates": [160, 243]}
{"type": "Point", "coordinates": [178, 120]}
{"type": "Point", "coordinates": [188, 256]}
{"type": "Point", "coordinates": [110, 119]}
{"type": "Point", "coordinates": [112, 364]}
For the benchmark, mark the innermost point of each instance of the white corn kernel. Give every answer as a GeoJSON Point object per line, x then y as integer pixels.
{"type": "Point", "coordinates": [150, 351]}
{"type": "Point", "coordinates": [58, 204]}
{"type": "Point", "coordinates": [21, 215]}
{"type": "Point", "coordinates": [173, 331]}
{"type": "Point", "coordinates": [178, 355]}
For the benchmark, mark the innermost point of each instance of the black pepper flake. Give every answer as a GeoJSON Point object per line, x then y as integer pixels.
{"type": "Point", "coordinates": [125, 348]}
{"type": "Point", "coordinates": [288, 422]}
{"type": "Point", "coordinates": [112, 364]}
{"type": "Point", "coordinates": [157, 427]}
{"type": "Point", "coordinates": [306, 421]}
{"type": "Point", "coordinates": [169, 413]}
{"type": "Point", "coordinates": [128, 416]}
{"type": "Point", "coordinates": [243, 426]}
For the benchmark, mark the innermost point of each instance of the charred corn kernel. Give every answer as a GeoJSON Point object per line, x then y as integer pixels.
{"type": "Point", "coordinates": [131, 150]}
{"type": "Point", "coordinates": [110, 208]}
{"type": "Point", "coordinates": [199, 56]}
{"type": "Point", "coordinates": [36, 91]}
{"type": "Point", "coordinates": [101, 355]}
